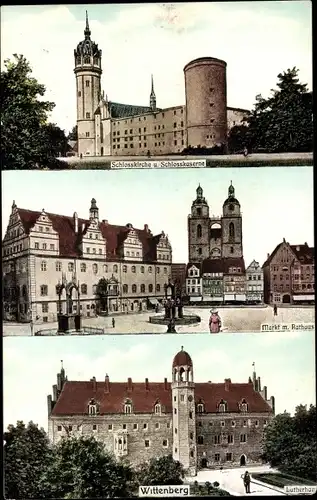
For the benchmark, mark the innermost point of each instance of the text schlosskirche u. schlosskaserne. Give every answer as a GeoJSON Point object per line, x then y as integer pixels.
{"type": "Point", "coordinates": [159, 164]}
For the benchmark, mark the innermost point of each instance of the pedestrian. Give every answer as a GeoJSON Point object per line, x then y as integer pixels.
{"type": "Point", "coordinates": [275, 310]}
{"type": "Point", "coordinates": [81, 156]}
{"type": "Point", "coordinates": [148, 154]}
{"type": "Point", "coordinates": [247, 481]}
{"type": "Point", "coordinates": [113, 323]}
{"type": "Point", "coordinates": [245, 151]}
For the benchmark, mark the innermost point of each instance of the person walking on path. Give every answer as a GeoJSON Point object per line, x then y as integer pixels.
{"type": "Point", "coordinates": [275, 310]}
{"type": "Point", "coordinates": [113, 323]}
{"type": "Point", "coordinates": [247, 481]}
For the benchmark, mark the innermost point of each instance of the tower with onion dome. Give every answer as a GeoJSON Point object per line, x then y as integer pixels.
{"type": "Point", "coordinates": [184, 419]}
{"type": "Point", "coordinates": [88, 91]}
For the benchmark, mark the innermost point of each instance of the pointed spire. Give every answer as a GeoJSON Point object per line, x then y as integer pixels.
{"type": "Point", "coordinates": [152, 96]}
{"type": "Point", "coordinates": [199, 191]}
{"type": "Point", "coordinates": [231, 191]}
{"type": "Point", "coordinates": [87, 30]}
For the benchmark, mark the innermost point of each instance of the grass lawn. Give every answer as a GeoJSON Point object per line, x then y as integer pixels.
{"type": "Point", "coordinates": [207, 490]}
{"type": "Point", "coordinates": [279, 479]}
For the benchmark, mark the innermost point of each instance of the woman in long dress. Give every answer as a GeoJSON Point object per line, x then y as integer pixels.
{"type": "Point", "coordinates": [214, 322]}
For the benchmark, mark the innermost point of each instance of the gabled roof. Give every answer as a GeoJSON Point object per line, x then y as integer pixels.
{"type": "Point", "coordinates": [303, 253]}
{"type": "Point", "coordinates": [191, 264]}
{"type": "Point", "coordinates": [75, 397]}
{"type": "Point", "coordinates": [68, 239]}
{"type": "Point", "coordinates": [118, 110]}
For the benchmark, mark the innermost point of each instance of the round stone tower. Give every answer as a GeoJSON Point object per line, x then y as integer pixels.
{"type": "Point", "coordinates": [206, 102]}
{"type": "Point", "coordinates": [88, 88]}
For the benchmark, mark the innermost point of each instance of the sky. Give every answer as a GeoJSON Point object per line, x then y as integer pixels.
{"type": "Point", "coordinates": [276, 202]}
{"type": "Point", "coordinates": [258, 40]}
{"type": "Point", "coordinates": [284, 361]}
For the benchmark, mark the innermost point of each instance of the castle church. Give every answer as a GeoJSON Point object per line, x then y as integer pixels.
{"type": "Point", "coordinates": [203, 425]}
{"type": "Point", "coordinates": [107, 128]}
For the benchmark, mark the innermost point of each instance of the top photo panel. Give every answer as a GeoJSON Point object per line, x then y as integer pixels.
{"type": "Point", "coordinates": [156, 85]}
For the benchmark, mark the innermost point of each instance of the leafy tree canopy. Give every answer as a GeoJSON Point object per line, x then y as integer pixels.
{"type": "Point", "coordinates": [26, 454]}
{"type": "Point", "coordinates": [280, 123]}
{"type": "Point", "coordinates": [160, 471]}
{"type": "Point", "coordinates": [290, 443]}
{"type": "Point", "coordinates": [28, 140]}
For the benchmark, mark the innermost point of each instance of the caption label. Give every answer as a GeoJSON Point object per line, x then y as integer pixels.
{"type": "Point", "coordinates": [159, 164]}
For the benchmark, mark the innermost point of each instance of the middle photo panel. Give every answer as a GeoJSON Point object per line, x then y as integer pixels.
{"type": "Point", "coordinates": [160, 251]}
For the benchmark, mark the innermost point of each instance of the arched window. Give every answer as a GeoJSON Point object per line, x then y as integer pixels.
{"type": "Point", "coordinates": [142, 269]}
{"type": "Point", "coordinates": [222, 407]}
{"type": "Point", "coordinates": [243, 406]}
{"type": "Point", "coordinates": [24, 291]}
{"type": "Point", "coordinates": [199, 231]}
{"type": "Point", "coordinates": [43, 265]}
{"type": "Point", "coordinates": [200, 439]}
{"type": "Point", "coordinates": [83, 289]}
{"type": "Point", "coordinates": [158, 287]}
{"type": "Point", "coordinates": [150, 269]}
{"type": "Point", "coordinates": [124, 269]}
{"type": "Point", "coordinates": [78, 60]}
{"type": "Point", "coordinates": [231, 230]}
{"type": "Point", "coordinates": [133, 269]}
{"type": "Point", "coordinates": [95, 268]}
{"type": "Point", "coordinates": [86, 60]}
{"type": "Point", "coordinates": [133, 288]}
{"type": "Point", "coordinates": [142, 288]}
{"type": "Point", "coordinates": [150, 287]}
{"type": "Point", "coordinates": [157, 409]}
{"type": "Point", "coordinates": [165, 270]}
{"type": "Point", "coordinates": [125, 288]}
{"type": "Point", "coordinates": [200, 408]}
{"type": "Point", "coordinates": [200, 251]}
{"type": "Point", "coordinates": [128, 407]}
{"type": "Point", "coordinates": [83, 267]}
{"type": "Point", "coordinates": [115, 268]}
{"type": "Point", "coordinates": [105, 268]}
{"type": "Point", "coordinates": [92, 407]}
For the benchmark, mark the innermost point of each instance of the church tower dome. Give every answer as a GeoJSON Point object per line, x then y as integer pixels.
{"type": "Point", "coordinates": [182, 358]}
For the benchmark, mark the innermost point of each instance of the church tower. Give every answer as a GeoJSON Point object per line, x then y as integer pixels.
{"type": "Point", "coordinates": [198, 228]}
{"type": "Point", "coordinates": [231, 226]}
{"type": "Point", "coordinates": [152, 96]}
{"type": "Point", "coordinates": [88, 91]}
{"type": "Point", "coordinates": [184, 419]}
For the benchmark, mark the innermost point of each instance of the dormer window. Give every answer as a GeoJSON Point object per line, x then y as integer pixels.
{"type": "Point", "coordinates": [244, 406]}
{"type": "Point", "coordinates": [92, 407]}
{"type": "Point", "coordinates": [157, 409]}
{"type": "Point", "coordinates": [200, 408]}
{"type": "Point", "coordinates": [222, 407]}
{"type": "Point", "coordinates": [128, 407]}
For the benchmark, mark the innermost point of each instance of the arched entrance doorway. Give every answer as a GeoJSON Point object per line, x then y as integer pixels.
{"type": "Point", "coordinates": [204, 463]}
{"type": "Point", "coordinates": [242, 460]}
{"type": "Point", "coordinates": [286, 299]}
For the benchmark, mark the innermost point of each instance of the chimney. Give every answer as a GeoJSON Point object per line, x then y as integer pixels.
{"type": "Point", "coordinates": [49, 404]}
{"type": "Point", "coordinates": [146, 228]}
{"type": "Point", "coordinates": [59, 382]}
{"type": "Point", "coordinates": [147, 387]}
{"type": "Point", "coordinates": [129, 384]}
{"type": "Point", "coordinates": [259, 384]}
{"type": "Point", "coordinates": [54, 392]}
{"type": "Point", "coordinates": [250, 380]}
{"type": "Point", "coordinates": [94, 383]}
{"type": "Point", "coordinates": [227, 384]}
{"type": "Point", "coordinates": [272, 403]}
{"type": "Point", "coordinates": [107, 384]}
{"type": "Point", "coordinates": [265, 393]}
{"type": "Point", "coordinates": [105, 221]}
{"type": "Point", "coordinates": [165, 384]}
{"type": "Point", "coordinates": [284, 240]}
{"type": "Point", "coordinates": [209, 381]}
{"type": "Point", "coordinates": [76, 222]}
{"type": "Point", "coordinates": [268, 255]}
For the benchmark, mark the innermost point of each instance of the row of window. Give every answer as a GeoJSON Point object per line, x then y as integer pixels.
{"type": "Point", "coordinates": [157, 115]}
{"type": "Point", "coordinates": [220, 439]}
{"type": "Point", "coordinates": [296, 286]}
{"type": "Point", "coordinates": [105, 268]}
{"type": "Point", "coordinates": [255, 277]}
{"type": "Point", "coordinates": [134, 427]}
{"type": "Point", "coordinates": [125, 289]}
{"type": "Point", "coordinates": [13, 249]}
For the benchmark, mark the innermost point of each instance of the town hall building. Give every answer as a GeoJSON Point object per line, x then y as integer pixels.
{"type": "Point", "coordinates": [108, 128]}
{"type": "Point", "coordinates": [203, 425]}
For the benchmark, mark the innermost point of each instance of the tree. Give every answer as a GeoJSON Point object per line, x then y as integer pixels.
{"type": "Point", "coordinates": [237, 138]}
{"type": "Point", "coordinates": [28, 140]}
{"type": "Point", "coordinates": [282, 122]}
{"type": "Point", "coordinates": [290, 443]}
{"type": "Point", "coordinates": [73, 134]}
{"type": "Point", "coordinates": [81, 468]}
{"type": "Point", "coordinates": [26, 454]}
{"type": "Point", "coordinates": [160, 471]}
{"type": "Point", "coordinates": [102, 294]}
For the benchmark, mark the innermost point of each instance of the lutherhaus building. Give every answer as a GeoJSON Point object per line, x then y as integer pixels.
{"type": "Point", "coordinates": [200, 424]}
{"type": "Point", "coordinates": [40, 250]}
{"type": "Point", "coordinates": [109, 128]}
{"type": "Point", "coordinates": [216, 270]}
{"type": "Point", "coordinates": [289, 275]}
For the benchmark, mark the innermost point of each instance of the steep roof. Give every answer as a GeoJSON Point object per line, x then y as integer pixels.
{"type": "Point", "coordinates": [303, 253]}
{"type": "Point", "coordinates": [75, 397]}
{"type": "Point", "coordinates": [68, 239]}
{"type": "Point", "coordinates": [118, 110]}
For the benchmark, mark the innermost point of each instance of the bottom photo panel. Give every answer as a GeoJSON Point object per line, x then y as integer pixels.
{"type": "Point", "coordinates": [129, 416]}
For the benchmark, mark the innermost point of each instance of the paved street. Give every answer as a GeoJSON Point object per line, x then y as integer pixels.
{"type": "Point", "coordinates": [246, 320]}
{"type": "Point", "coordinates": [231, 480]}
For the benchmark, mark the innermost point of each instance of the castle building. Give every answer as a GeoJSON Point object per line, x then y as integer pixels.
{"type": "Point", "coordinates": [201, 424]}
{"type": "Point", "coordinates": [289, 275]}
{"type": "Point", "coordinates": [107, 128]}
{"type": "Point", "coordinates": [40, 250]}
{"type": "Point", "coordinates": [216, 270]}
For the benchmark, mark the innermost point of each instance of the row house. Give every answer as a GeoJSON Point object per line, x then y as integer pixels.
{"type": "Point", "coordinates": [289, 275]}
